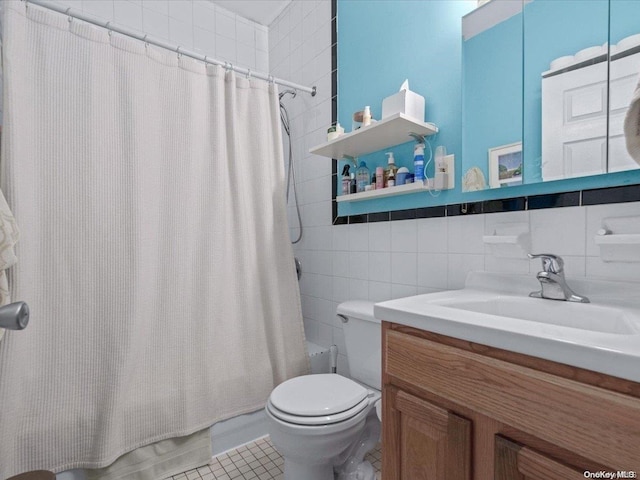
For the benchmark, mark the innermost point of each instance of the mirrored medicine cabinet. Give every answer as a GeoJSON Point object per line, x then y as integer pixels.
{"type": "Point", "coordinates": [545, 88]}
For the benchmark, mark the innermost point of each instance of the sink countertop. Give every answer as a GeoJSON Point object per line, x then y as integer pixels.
{"type": "Point", "coordinates": [616, 354]}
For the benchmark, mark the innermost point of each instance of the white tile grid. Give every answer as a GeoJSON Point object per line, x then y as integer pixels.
{"type": "Point", "coordinates": [258, 460]}
{"type": "Point", "coordinates": [193, 24]}
{"type": "Point", "coordinates": [367, 265]}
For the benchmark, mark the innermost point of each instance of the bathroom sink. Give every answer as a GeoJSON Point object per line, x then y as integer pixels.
{"type": "Point", "coordinates": [597, 318]}
{"type": "Point", "coordinates": [496, 310]}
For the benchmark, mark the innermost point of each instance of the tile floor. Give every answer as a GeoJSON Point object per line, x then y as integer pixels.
{"type": "Point", "coordinates": [254, 461]}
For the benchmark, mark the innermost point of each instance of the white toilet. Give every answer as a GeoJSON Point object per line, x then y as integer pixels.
{"type": "Point", "coordinates": [323, 425]}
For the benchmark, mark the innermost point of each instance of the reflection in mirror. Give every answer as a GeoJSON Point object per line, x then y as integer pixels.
{"type": "Point", "coordinates": [550, 104]}
{"type": "Point", "coordinates": [565, 88]}
{"type": "Point", "coordinates": [624, 71]}
{"type": "Point", "coordinates": [492, 94]}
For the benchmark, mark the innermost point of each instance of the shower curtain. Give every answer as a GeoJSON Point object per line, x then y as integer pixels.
{"type": "Point", "coordinates": [154, 252]}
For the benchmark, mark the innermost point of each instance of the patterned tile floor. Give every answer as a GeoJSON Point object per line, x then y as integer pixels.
{"type": "Point", "coordinates": [254, 461]}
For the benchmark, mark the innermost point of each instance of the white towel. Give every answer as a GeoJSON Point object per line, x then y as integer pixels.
{"type": "Point", "coordinates": [632, 126]}
{"type": "Point", "coordinates": [8, 238]}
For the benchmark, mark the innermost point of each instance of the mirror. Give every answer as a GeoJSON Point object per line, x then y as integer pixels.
{"type": "Point", "coordinates": [624, 68]}
{"type": "Point", "coordinates": [492, 58]}
{"type": "Point", "coordinates": [548, 112]}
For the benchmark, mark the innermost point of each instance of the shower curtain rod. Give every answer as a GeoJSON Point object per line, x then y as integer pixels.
{"type": "Point", "coordinates": [72, 13]}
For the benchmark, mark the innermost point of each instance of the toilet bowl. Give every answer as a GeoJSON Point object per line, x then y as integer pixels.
{"type": "Point", "coordinates": [324, 424]}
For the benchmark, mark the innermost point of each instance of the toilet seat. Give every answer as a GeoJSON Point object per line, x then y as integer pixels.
{"type": "Point", "coordinates": [322, 399]}
{"type": "Point", "coordinates": [322, 420]}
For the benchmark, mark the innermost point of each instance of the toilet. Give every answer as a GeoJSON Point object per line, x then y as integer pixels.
{"type": "Point", "coordinates": [324, 424]}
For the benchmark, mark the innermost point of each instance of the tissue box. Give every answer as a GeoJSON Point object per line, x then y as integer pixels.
{"type": "Point", "coordinates": [405, 101]}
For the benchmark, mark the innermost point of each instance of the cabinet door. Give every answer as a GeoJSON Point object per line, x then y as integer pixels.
{"type": "Point", "coordinates": [515, 462]}
{"type": "Point", "coordinates": [423, 441]}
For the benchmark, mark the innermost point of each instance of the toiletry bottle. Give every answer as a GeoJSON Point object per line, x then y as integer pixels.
{"type": "Point", "coordinates": [346, 180]}
{"type": "Point", "coordinates": [362, 177]}
{"type": "Point", "coordinates": [374, 180]}
{"type": "Point", "coordinates": [379, 178]}
{"type": "Point", "coordinates": [391, 181]}
{"type": "Point", "coordinates": [391, 167]}
{"type": "Point", "coordinates": [352, 184]}
{"type": "Point", "coordinates": [418, 162]}
{"type": "Point", "coordinates": [366, 117]}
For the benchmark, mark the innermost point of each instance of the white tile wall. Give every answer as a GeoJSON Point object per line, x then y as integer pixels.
{"type": "Point", "coordinates": [194, 24]}
{"type": "Point", "coordinates": [385, 260]}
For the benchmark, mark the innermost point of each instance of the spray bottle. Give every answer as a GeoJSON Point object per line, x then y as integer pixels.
{"type": "Point", "coordinates": [346, 180]}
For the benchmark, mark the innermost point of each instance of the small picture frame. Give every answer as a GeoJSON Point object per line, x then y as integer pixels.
{"type": "Point", "coordinates": [505, 165]}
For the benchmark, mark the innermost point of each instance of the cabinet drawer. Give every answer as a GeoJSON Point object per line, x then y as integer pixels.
{"type": "Point", "coordinates": [592, 422]}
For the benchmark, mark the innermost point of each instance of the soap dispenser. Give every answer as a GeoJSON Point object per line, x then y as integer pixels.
{"type": "Point", "coordinates": [391, 168]}
{"type": "Point", "coordinates": [362, 177]}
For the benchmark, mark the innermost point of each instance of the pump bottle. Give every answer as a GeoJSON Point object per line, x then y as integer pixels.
{"type": "Point", "coordinates": [391, 167]}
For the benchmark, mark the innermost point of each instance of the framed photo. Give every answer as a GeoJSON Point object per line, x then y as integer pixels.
{"type": "Point", "coordinates": [505, 165]}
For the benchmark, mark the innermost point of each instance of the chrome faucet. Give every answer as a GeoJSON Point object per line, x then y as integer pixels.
{"type": "Point", "coordinates": [552, 282]}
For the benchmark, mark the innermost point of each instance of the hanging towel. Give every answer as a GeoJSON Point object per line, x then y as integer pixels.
{"type": "Point", "coordinates": [632, 126]}
{"type": "Point", "coordinates": [8, 238]}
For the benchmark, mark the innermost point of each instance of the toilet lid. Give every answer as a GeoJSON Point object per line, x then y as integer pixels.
{"type": "Point", "coordinates": [317, 395]}
{"type": "Point", "coordinates": [322, 420]}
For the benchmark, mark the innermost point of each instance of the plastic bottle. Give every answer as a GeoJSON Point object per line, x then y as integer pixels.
{"type": "Point", "coordinates": [418, 162]}
{"type": "Point", "coordinates": [346, 180]}
{"type": "Point", "coordinates": [379, 178]}
{"type": "Point", "coordinates": [366, 116]}
{"type": "Point", "coordinates": [391, 167]}
{"type": "Point", "coordinates": [391, 181]}
{"type": "Point", "coordinates": [374, 180]}
{"type": "Point", "coordinates": [352, 184]}
{"type": "Point", "coordinates": [362, 177]}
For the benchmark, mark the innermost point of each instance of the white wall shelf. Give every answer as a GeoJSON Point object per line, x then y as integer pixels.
{"type": "Point", "coordinates": [383, 192]}
{"type": "Point", "coordinates": [385, 133]}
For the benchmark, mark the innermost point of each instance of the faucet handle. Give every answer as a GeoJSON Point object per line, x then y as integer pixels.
{"type": "Point", "coordinates": [550, 263]}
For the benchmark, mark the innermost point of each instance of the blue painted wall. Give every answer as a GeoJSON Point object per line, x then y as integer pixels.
{"type": "Point", "coordinates": [380, 43]}
{"type": "Point", "coordinates": [492, 92]}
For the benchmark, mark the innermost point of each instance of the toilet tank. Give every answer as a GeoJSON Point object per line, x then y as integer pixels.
{"type": "Point", "coordinates": [363, 339]}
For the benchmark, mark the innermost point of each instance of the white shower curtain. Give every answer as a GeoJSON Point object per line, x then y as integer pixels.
{"type": "Point", "coordinates": [149, 189]}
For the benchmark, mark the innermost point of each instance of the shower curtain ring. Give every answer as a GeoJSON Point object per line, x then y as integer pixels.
{"type": "Point", "coordinates": [248, 74]}
{"type": "Point", "coordinates": [108, 27]}
{"type": "Point", "coordinates": [69, 17]}
{"type": "Point", "coordinates": [146, 44]}
{"type": "Point", "coordinates": [178, 52]}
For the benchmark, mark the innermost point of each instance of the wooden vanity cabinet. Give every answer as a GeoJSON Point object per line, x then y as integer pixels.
{"type": "Point", "coordinates": [513, 461]}
{"type": "Point", "coordinates": [456, 410]}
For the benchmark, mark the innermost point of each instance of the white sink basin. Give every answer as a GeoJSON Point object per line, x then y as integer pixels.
{"type": "Point", "coordinates": [596, 318]}
{"type": "Point", "coordinates": [496, 310]}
